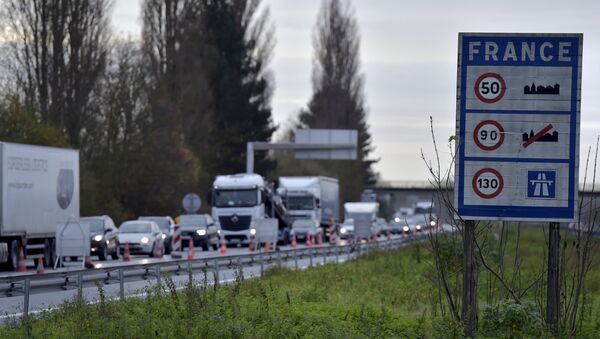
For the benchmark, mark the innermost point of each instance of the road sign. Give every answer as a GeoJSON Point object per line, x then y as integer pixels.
{"type": "Point", "coordinates": [191, 203]}
{"type": "Point", "coordinates": [518, 125]}
{"type": "Point", "coordinates": [327, 137]}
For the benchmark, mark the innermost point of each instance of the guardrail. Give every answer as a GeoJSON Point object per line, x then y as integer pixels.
{"type": "Point", "coordinates": [80, 278]}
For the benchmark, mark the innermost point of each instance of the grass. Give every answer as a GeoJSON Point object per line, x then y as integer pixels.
{"type": "Point", "coordinates": [381, 295]}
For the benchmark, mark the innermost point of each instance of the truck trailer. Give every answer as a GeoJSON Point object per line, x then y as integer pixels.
{"type": "Point", "coordinates": [364, 215]}
{"type": "Point", "coordinates": [40, 190]}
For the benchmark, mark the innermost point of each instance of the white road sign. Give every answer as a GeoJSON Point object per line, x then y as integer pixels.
{"type": "Point", "coordinates": [518, 126]}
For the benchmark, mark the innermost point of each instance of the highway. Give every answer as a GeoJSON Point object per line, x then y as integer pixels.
{"type": "Point", "coordinates": [48, 291]}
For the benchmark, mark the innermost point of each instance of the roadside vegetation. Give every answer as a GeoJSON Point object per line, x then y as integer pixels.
{"type": "Point", "coordinates": [381, 295]}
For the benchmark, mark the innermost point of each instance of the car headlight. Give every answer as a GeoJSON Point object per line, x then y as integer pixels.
{"type": "Point", "coordinates": [418, 227]}
{"type": "Point", "coordinates": [432, 223]}
{"type": "Point", "coordinates": [252, 231]}
{"type": "Point", "coordinates": [343, 230]}
{"type": "Point", "coordinates": [98, 237]}
{"type": "Point", "coordinates": [397, 219]}
{"type": "Point", "coordinates": [144, 240]}
{"type": "Point", "coordinates": [164, 236]}
{"type": "Point", "coordinates": [405, 228]}
{"type": "Point", "coordinates": [201, 232]}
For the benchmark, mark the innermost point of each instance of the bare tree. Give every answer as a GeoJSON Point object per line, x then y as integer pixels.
{"type": "Point", "coordinates": [57, 54]}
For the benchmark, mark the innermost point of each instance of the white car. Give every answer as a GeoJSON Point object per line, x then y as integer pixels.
{"type": "Point", "coordinates": [347, 229]}
{"type": "Point", "coordinates": [303, 228]}
{"type": "Point", "coordinates": [141, 236]}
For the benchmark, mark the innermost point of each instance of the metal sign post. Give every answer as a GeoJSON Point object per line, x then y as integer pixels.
{"type": "Point", "coordinates": [518, 105]}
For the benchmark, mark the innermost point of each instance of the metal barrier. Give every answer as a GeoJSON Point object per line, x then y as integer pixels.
{"type": "Point", "coordinates": [79, 278]}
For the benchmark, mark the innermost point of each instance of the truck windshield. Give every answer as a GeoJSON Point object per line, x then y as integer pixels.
{"type": "Point", "coordinates": [306, 202]}
{"type": "Point", "coordinates": [235, 198]}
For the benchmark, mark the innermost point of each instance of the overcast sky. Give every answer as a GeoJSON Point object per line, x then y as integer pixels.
{"type": "Point", "coordinates": [409, 54]}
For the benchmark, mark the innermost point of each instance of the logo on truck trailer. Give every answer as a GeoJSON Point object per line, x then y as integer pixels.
{"type": "Point", "coordinates": [65, 187]}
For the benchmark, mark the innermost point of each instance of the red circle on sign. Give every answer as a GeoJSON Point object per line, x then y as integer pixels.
{"type": "Point", "coordinates": [476, 135]}
{"type": "Point", "coordinates": [483, 171]}
{"type": "Point", "coordinates": [502, 89]}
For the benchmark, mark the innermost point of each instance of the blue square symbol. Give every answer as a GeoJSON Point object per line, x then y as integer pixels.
{"type": "Point", "coordinates": [541, 184]}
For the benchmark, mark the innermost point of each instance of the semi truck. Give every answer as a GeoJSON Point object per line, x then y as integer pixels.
{"type": "Point", "coordinates": [239, 203]}
{"type": "Point", "coordinates": [314, 198]}
{"type": "Point", "coordinates": [40, 190]}
{"type": "Point", "coordinates": [364, 215]}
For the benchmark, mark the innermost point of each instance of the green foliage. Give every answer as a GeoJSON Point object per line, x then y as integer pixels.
{"type": "Point", "coordinates": [382, 295]}
{"type": "Point", "coordinates": [20, 126]}
{"type": "Point", "coordinates": [507, 319]}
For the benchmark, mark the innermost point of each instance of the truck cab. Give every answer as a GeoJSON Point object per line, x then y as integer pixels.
{"type": "Point", "coordinates": [238, 203]}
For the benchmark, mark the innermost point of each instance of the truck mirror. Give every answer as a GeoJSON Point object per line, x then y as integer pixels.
{"type": "Point", "coordinates": [318, 202]}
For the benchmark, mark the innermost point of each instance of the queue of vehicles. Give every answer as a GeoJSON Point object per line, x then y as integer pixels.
{"type": "Point", "coordinates": [43, 186]}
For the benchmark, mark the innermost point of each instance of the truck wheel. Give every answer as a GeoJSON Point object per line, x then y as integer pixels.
{"type": "Point", "coordinates": [13, 253]}
{"type": "Point", "coordinates": [47, 253]}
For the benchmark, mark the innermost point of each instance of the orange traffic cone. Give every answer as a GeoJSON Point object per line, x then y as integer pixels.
{"type": "Point", "coordinates": [267, 246]}
{"type": "Point", "coordinates": [158, 251]}
{"type": "Point", "coordinates": [88, 262]}
{"type": "Point", "coordinates": [223, 249]}
{"type": "Point", "coordinates": [126, 254]}
{"type": "Point", "coordinates": [320, 239]}
{"type": "Point", "coordinates": [40, 266]}
{"type": "Point", "coordinates": [309, 242]}
{"type": "Point", "coordinates": [294, 244]}
{"type": "Point", "coordinates": [21, 267]}
{"type": "Point", "coordinates": [190, 254]}
{"type": "Point", "coordinates": [389, 235]}
{"type": "Point", "coordinates": [252, 244]}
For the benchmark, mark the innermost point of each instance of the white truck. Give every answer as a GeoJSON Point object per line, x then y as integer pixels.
{"type": "Point", "coordinates": [314, 198]}
{"type": "Point", "coordinates": [40, 190]}
{"type": "Point", "coordinates": [364, 215]}
{"type": "Point", "coordinates": [238, 205]}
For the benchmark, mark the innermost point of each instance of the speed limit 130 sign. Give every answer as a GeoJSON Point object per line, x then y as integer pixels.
{"type": "Point", "coordinates": [518, 126]}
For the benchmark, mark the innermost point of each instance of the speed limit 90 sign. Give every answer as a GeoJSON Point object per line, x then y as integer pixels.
{"type": "Point", "coordinates": [490, 87]}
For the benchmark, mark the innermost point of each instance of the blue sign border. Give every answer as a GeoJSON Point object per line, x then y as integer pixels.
{"type": "Point", "coordinates": [502, 212]}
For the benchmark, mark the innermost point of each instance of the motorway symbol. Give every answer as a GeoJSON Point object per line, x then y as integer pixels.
{"type": "Point", "coordinates": [533, 89]}
{"type": "Point", "coordinates": [490, 87]}
{"type": "Point", "coordinates": [541, 184]}
{"type": "Point", "coordinates": [488, 135]}
{"type": "Point", "coordinates": [542, 135]}
{"type": "Point", "coordinates": [487, 183]}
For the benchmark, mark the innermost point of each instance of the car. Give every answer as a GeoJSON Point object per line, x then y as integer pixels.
{"type": "Point", "coordinates": [303, 228]}
{"type": "Point", "coordinates": [201, 228]}
{"type": "Point", "coordinates": [104, 236]}
{"type": "Point", "coordinates": [384, 228]}
{"type": "Point", "coordinates": [347, 229]}
{"type": "Point", "coordinates": [141, 236]}
{"type": "Point", "coordinates": [167, 226]}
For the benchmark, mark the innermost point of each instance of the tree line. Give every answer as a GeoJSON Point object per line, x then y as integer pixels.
{"type": "Point", "coordinates": [159, 116]}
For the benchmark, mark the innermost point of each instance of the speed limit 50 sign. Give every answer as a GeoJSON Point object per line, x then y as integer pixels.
{"type": "Point", "coordinates": [518, 126]}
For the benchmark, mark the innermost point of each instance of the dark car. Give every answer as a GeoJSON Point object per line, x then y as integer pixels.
{"type": "Point", "coordinates": [201, 229]}
{"type": "Point", "coordinates": [104, 240]}
{"type": "Point", "coordinates": [166, 225]}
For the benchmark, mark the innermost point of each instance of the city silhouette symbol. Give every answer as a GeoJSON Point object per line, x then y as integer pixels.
{"type": "Point", "coordinates": [533, 89]}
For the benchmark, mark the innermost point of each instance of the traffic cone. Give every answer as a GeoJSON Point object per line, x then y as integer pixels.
{"type": "Point", "coordinates": [158, 250]}
{"type": "Point", "coordinates": [87, 262]}
{"type": "Point", "coordinates": [320, 239]}
{"type": "Point", "coordinates": [389, 235]}
{"type": "Point", "coordinates": [251, 244]}
{"type": "Point", "coordinates": [223, 249]}
{"type": "Point", "coordinates": [126, 254]}
{"type": "Point", "coordinates": [190, 254]}
{"type": "Point", "coordinates": [40, 266]}
{"type": "Point", "coordinates": [309, 242]}
{"type": "Point", "coordinates": [294, 244]}
{"type": "Point", "coordinates": [21, 267]}
{"type": "Point", "coordinates": [267, 246]}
